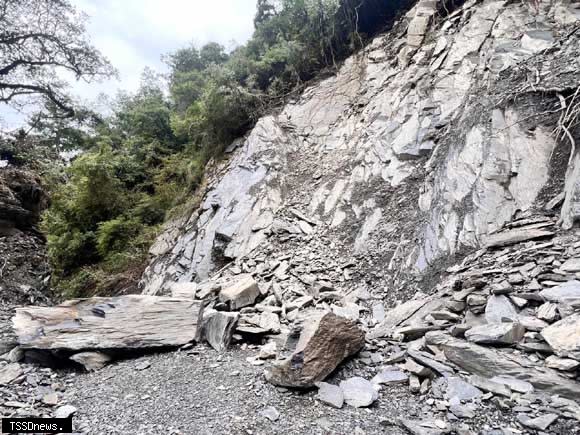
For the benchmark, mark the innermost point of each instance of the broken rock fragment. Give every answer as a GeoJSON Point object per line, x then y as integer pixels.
{"type": "Point", "coordinates": [240, 293]}
{"type": "Point", "coordinates": [564, 337]}
{"type": "Point", "coordinates": [390, 377]}
{"type": "Point", "coordinates": [499, 333]}
{"type": "Point", "coordinates": [217, 328]}
{"type": "Point", "coordinates": [10, 373]}
{"type": "Point", "coordinates": [539, 423]}
{"type": "Point", "coordinates": [331, 395]}
{"type": "Point", "coordinates": [358, 392]}
{"type": "Point", "coordinates": [318, 345]}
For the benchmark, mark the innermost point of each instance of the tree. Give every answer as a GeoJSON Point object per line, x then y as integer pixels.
{"type": "Point", "coordinates": [40, 41]}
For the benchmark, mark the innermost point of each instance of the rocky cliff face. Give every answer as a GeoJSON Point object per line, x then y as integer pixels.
{"type": "Point", "coordinates": [439, 133]}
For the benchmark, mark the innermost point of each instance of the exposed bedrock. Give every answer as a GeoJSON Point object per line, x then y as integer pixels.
{"type": "Point", "coordinates": [420, 147]}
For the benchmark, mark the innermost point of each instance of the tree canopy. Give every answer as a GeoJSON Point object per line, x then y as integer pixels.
{"type": "Point", "coordinates": [145, 160]}
{"type": "Point", "coordinates": [41, 40]}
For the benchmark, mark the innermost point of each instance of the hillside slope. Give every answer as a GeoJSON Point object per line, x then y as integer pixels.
{"type": "Point", "coordinates": [434, 137]}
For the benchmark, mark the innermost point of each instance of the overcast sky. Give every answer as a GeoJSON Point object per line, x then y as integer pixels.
{"type": "Point", "coordinates": [134, 34]}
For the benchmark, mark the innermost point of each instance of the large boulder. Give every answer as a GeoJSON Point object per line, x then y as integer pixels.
{"type": "Point", "coordinates": [325, 340]}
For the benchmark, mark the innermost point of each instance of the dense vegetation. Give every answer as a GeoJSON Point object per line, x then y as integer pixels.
{"type": "Point", "coordinates": [148, 157]}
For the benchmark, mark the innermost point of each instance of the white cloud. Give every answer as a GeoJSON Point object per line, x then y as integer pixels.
{"type": "Point", "coordinates": [136, 33]}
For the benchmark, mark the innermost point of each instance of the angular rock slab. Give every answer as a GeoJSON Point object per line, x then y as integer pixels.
{"type": "Point", "coordinates": [564, 337]}
{"type": "Point", "coordinates": [325, 340]}
{"type": "Point", "coordinates": [569, 291]}
{"type": "Point", "coordinates": [331, 395]}
{"type": "Point", "coordinates": [123, 322]}
{"type": "Point", "coordinates": [240, 293]}
{"type": "Point", "coordinates": [218, 327]}
{"type": "Point", "coordinates": [498, 333]}
{"type": "Point", "coordinates": [518, 235]}
{"type": "Point", "coordinates": [10, 373]}
{"type": "Point", "coordinates": [490, 362]}
{"type": "Point", "coordinates": [499, 308]}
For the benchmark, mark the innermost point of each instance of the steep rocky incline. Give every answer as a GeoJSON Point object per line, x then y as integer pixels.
{"type": "Point", "coordinates": [434, 137]}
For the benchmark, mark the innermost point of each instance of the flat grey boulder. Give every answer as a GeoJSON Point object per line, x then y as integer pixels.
{"type": "Point", "coordinates": [329, 394]}
{"type": "Point", "coordinates": [564, 337]}
{"type": "Point", "coordinates": [122, 322]}
{"type": "Point", "coordinates": [498, 333]}
{"type": "Point", "coordinates": [358, 392]}
{"type": "Point", "coordinates": [324, 341]}
{"type": "Point", "coordinates": [240, 293]}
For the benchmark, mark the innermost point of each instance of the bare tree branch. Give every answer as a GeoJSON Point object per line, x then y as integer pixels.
{"type": "Point", "coordinates": [40, 39]}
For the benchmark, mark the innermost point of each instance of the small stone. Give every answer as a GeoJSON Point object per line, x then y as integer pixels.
{"type": "Point", "coordinates": [270, 413]}
{"type": "Point", "coordinates": [268, 350]}
{"type": "Point", "coordinates": [444, 315]}
{"type": "Point", "coordinates": [539, 423]}
{"type": "Point", "coordinates": [379, 312]}
{"type": "Point", "coordinates": [91, 361]}
{"type": "Point", "coordinates": [65, 411]}
{"type": "Point", "coordinates": [476, 300]}
{"type": "Point", "coordinates": [417, 369]}
{"type": "Point", "coordinates": [16, 355]}
{"type": "Point", "coordinates": [389, 377]}
{"type": "Point", "coordinates": [567, 291]}
{"type": "Point", "coordinates": [50, 399]}
{"type": "Point", "coordinates": [462, 411]}
{"type": "Point", "coordinates": [414, 384]}
{"type": "Point", "coordinates": [359, 392]}
{"type": "Point", "coordinates": [143, 365]}
{"type": "Point", "coordinates": [330, 394]}
{"type": "Point", "coordinates": [501, 288]}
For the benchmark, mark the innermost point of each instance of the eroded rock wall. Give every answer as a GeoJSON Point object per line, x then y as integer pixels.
{"type": "Point", "coordinates": [433, 137]}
